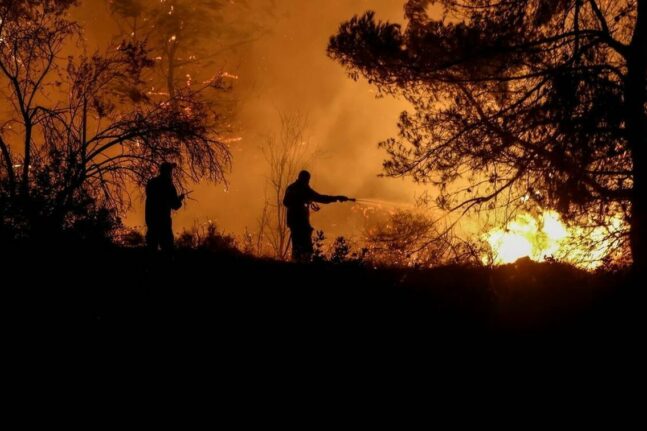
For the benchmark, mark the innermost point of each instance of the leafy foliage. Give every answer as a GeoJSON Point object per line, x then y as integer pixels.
{"type": "Point", "coordinates": [413, 239]}
{"type": "Point", "coordinates": [81, 129]}
{"type": "Point", "coordinates": [207, 238]}
{"type": "Point", "coordinates": [520, 103]}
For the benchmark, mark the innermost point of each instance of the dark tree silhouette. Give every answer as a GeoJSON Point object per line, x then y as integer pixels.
{"type": "Point", "coordinates": [519, 100]}
{"type": "Point", "coordinates": [83, 128]}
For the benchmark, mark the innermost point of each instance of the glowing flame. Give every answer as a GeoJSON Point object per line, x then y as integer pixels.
{"type": "Point", "coordinates": [548, 237]}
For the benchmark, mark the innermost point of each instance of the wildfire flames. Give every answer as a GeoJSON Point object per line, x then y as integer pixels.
{"type": "Point", "coordinates": [547, 236]}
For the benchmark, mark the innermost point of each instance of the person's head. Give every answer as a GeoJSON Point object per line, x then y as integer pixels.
{"type": "Point", "coordinates": [166, 169]}
{"type": "Point", "coordinates": [304, 177]}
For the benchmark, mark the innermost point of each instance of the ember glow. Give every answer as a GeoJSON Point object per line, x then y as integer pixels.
{"type": "Point", "coordinates": [547, 236]}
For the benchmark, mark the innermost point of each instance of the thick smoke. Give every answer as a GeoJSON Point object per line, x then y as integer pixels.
{"type": "Point", "coordinates": [287, 70]}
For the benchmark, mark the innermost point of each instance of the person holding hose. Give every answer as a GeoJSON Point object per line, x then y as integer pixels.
{"type": "Point", "coordinates": [299, 196]}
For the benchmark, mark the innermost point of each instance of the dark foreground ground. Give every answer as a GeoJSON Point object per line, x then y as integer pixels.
{"type": "Point", "coordinates": [248, 317]}
{"type": "Point", "coordinates": [112, 292]}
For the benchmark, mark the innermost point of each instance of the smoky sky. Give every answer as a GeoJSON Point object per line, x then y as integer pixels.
{"type": "Point", "coordinates": [287, 70]}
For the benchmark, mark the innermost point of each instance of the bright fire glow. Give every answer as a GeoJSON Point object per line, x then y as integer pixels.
{"type": "Point", "coordinates": [547, 236]}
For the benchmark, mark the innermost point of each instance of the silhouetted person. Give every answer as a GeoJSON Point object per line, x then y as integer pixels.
{"type": "Point", "coordinates": [161, 198]}
{"type": "Point", "coordinates": [298, 198]}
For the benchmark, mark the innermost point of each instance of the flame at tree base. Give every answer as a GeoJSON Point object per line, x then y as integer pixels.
{"type": "Point", "coordinates": [546, 237]}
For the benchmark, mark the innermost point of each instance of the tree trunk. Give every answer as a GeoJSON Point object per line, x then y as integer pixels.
{"type": "Point", "coordinates": [24, 188]}
{"type": "Point", "coordinates": [635, 99]}
{"type": "Point", "coordinates": [11, 176]}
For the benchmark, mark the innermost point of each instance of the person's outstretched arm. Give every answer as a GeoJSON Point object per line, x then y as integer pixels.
{"type": "Point", "coordinates": [325, 199]}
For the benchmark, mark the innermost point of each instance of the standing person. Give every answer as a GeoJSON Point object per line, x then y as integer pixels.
{"type": "Point", "coordinates": [161, 198]}
{"type": "Point", "coordinates": [298, 198]}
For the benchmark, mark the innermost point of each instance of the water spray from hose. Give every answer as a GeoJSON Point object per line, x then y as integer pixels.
{"type": "Point", "coordinates": [382, 203]}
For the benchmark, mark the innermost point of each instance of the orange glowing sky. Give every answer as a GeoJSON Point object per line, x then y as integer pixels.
{"type": "Point", "coordinates": [288, 70]}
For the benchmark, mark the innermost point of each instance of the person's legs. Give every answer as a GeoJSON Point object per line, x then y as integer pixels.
{"type": "Point", "coordinates": [307, 246]}
{"type": "Point", "coordinates": [296, 249]}
{"type": "Point", "coordinates": [152, 237]}
{"type": "Point", "coordinates": [302, 245]}
{"type": "Point", "coordinates": [167, 241]}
